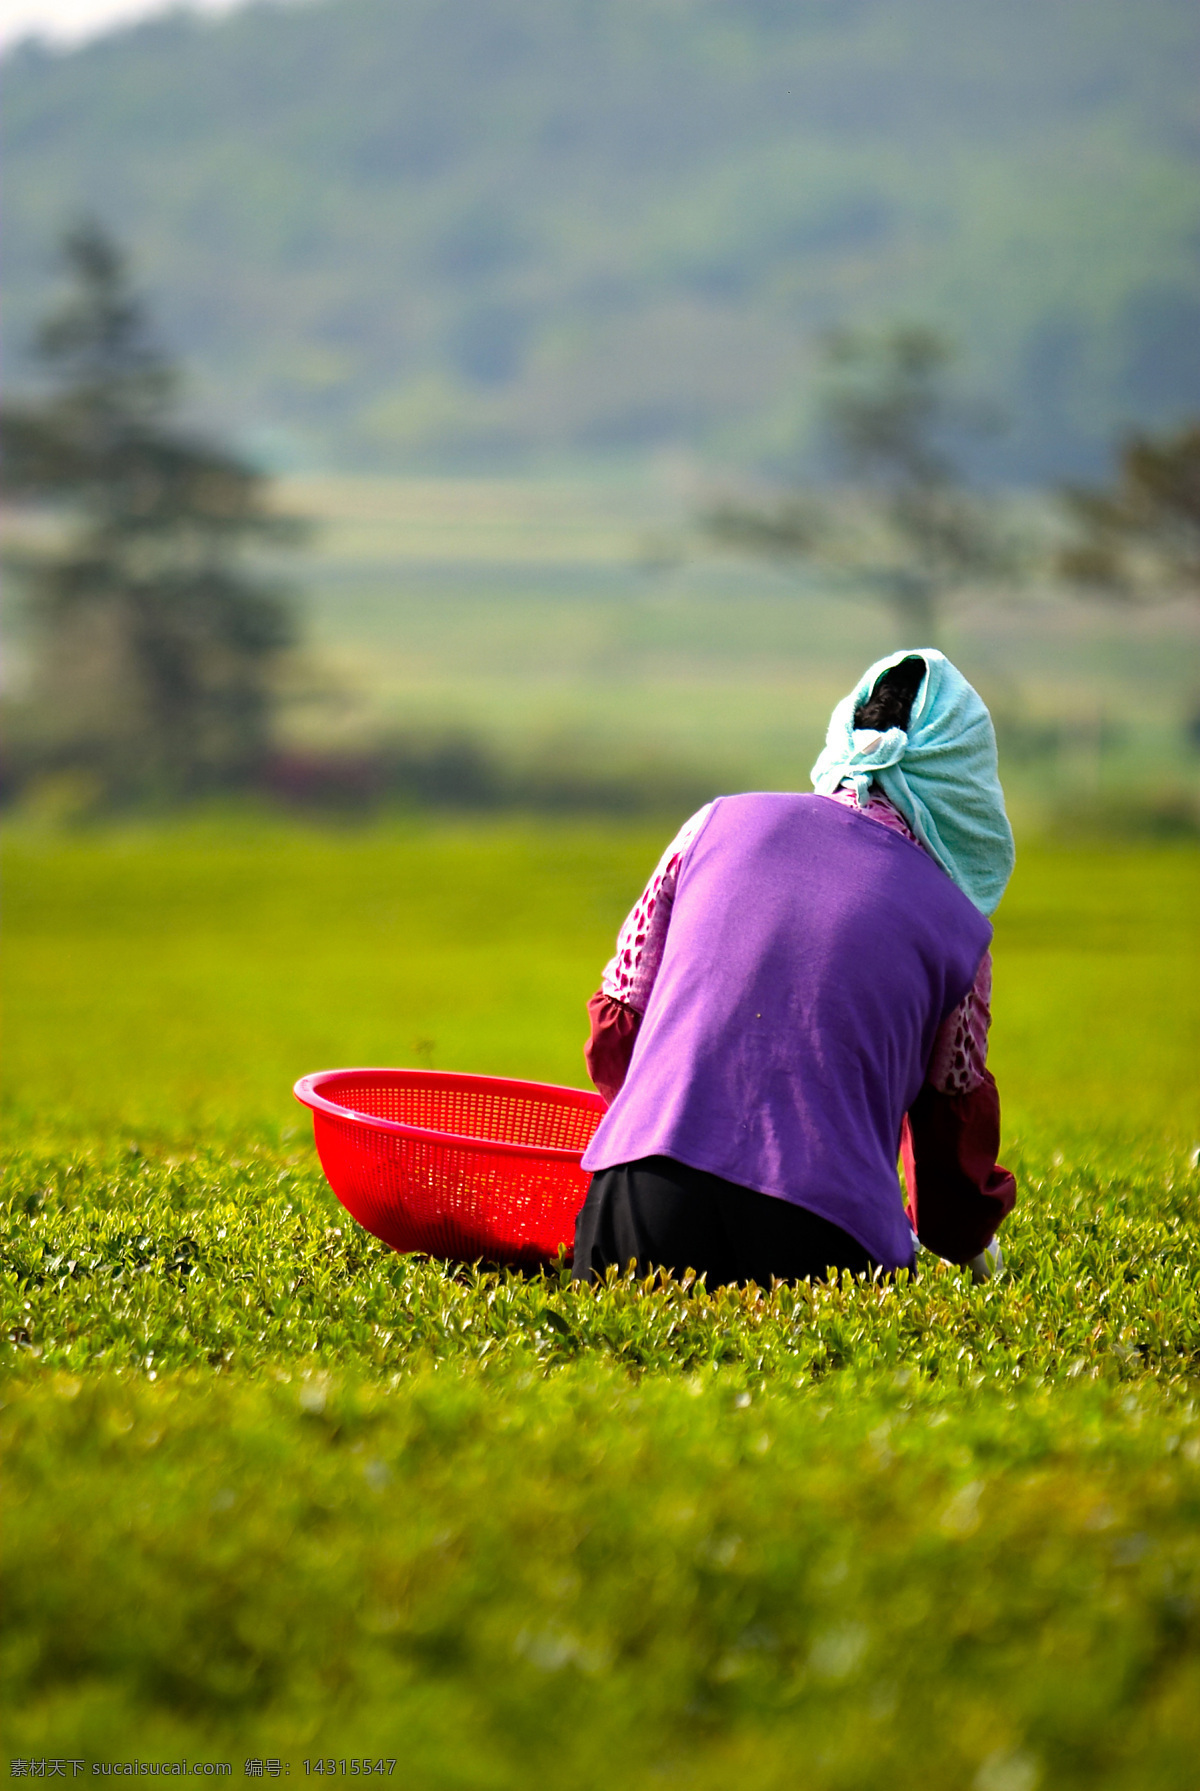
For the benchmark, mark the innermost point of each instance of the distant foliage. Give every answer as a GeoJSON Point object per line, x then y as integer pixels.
{"type": "Point", "coordinates": [450, 233]}
{"type": "Point", "coordinates": [158, 645]}
{"type": "Point", "coordinates": [1139, 536]}
{"type": "Point", "coordinates": [457, 769]}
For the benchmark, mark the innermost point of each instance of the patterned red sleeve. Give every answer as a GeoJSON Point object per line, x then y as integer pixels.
{"type": "Point", "coordinates": [957, 1192]}
{"type": "Point", "coordinates": [629, 975]}
{"type": "Point", "coordinates": [610, 1046]}
{"type": "Point", "coordinates": [959, 1060]}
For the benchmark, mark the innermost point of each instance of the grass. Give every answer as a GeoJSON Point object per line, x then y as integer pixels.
{"type": "Point", "coordinates": [582, 1580]}
{"type": "Point", "coordinates": [169, 986]}
{"type": "Point", "coordinates": [273, 1491]}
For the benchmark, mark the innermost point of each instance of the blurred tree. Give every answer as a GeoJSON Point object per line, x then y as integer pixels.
{"type": "Point", "coordinates": [908, 531]}
{"type": "Point", "coordinates": [158, 645]}
{"type": "Point", "coordinates": [1139, 537]}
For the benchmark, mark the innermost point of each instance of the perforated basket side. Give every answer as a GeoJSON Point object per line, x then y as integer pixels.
{"type": "Point", "coordinates": [448, 1199]}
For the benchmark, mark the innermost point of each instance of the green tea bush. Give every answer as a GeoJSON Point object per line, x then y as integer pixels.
{"type": "Point", "coordinates": [272, 1490]}
{"type": "Point", "coordinates": [579, 1579]}
{"type": "Point", "coordinates": [156, 1265]}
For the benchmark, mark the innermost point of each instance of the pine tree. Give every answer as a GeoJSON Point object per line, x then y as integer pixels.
{"type": "Point", "coordinates": [157, 643]}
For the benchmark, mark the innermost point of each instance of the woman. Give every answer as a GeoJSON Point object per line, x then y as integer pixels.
{"type": "Point", "coordinates": [801, 993]}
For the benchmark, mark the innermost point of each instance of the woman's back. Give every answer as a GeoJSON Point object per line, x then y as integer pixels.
{"type": "Point", "coordinates": [810, 958]}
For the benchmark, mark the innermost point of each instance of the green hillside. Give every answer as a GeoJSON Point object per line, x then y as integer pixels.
{"type": "Point", "coordinates": [452, 232]}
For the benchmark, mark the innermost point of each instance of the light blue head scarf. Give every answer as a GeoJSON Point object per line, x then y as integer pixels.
{"type": "Point", "coordinates": [941, 774]}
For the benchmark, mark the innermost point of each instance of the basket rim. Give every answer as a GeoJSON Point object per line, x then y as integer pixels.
{"type": "Point", "coordinates": [307, 1091]}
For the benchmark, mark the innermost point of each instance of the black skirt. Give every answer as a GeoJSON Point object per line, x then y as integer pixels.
{"type": "Point", "coordinates": [660, 1214]}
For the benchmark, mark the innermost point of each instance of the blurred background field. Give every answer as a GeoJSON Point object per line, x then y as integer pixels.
{"type": "Point", "coordinates": [170, 985]}
{"type": "Point", "coordinates": [579, 644]}
{"type": "Point", "coordinates": [593, 619]}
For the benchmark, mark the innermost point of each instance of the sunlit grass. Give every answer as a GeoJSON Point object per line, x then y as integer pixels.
{"type": "Point", "coordinates": [172, 985]}
{"type": "Point", "coordinates": [273, 1490]}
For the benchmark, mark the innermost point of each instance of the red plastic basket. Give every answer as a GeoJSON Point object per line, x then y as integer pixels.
{"type": "Point", "coordinates": [466, 1167]}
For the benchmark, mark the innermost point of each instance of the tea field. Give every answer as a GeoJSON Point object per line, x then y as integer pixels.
{"type": "Point", "coordinates": [591, 621]}
{"type": "Point", "coordinates": [275, 1495]}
